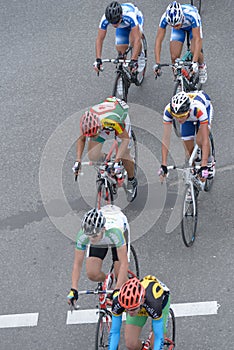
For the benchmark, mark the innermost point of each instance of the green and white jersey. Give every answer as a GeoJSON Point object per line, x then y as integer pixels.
{"type": "Point", "coordinates": [116, 224]}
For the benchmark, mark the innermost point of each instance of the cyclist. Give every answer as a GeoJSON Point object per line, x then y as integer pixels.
{"type": "Point", "coordinates": [188, 108]}
{"type": "Point", "coordinates": [182, 19]}
{"type": "Point", "coordinates": [128, 21]}
{"type": "Point", "coordinates": [140, 299]}
{"type": "Point", "coordinates": [100, 229]}
{"type": "Point", "coordinates": [109, 115]}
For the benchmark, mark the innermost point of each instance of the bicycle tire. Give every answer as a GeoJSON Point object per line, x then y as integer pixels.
{"type": "Point", "coordinates": [103, 330]}
{"type": "Point", "coordinates": [175, 123]}
{"type": "Point", "coordinates": [120, 89]}
{"type": "Point", "coordinates": [104, 195]}
{"type": "Point", "coordinates": [134, 152]}
{"type": "Point", "coordinates": [197, 4]}
{"type": "Point", "coordinates": [141, 75]}
{"type": "Point", "coordinates": [209, 181]}
{"type": "Point", "coordinates": [133, 263]}
{"type": "Point", "coordinates": [169, 341]}
{"type": "Point", "coordinates": [189, 218]}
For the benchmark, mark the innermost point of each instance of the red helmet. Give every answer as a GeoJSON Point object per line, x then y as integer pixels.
{"type": "Point", "coordinates": [90, 124]}
{"type": "Point", "coordinates": [131, 294]}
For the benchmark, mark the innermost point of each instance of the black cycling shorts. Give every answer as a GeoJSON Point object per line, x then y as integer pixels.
{"type": "Point", "coordinates": [101, 253]}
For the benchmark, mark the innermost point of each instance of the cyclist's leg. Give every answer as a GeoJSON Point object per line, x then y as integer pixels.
{"type": "Point", "coordinates": [95, 257]}
{"type": "Point", "coordinates": [95, 148]}
{"type": "Point", "coordinates": [176, 43]}
{"type": "Point", "coordinates": [133, 330]}
{"type": "Point", "coordinates": [122, 39]}
{"type": "Point", "coordinates": [201, 56]}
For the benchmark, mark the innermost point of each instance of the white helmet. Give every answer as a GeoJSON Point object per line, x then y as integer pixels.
{"type": "Point", "coordinates": [180, 103]}
{"type": "Point", "coordinates": [174, 14]}
{"type": "Point", "coordinates": [93, 222]}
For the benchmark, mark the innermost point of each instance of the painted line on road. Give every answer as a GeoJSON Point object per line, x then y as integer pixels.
{"type": "Point", "coordinates": [180, 310]}
{"type": "Point", "coordinates": [19, 320]}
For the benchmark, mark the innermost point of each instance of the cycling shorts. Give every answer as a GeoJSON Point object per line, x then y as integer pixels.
{"type": "Point", "coordinates": [141, 320]}
{"type": "Point", "coordinates": [180, 34]}
{"type": "Point", "coordinates": [101, 252]}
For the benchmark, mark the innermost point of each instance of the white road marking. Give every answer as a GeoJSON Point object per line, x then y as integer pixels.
{"type": "Point", "coordinates": [19, 320]}
{"type": "Point", "coordinates": [180, 310]}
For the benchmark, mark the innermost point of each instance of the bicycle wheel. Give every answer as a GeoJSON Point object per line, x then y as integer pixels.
{"type": "Point", "coordinates": [197, 4]}
{"type": "Point", "coordinates": [103, 330]}
{"type": "Point", "coordinates": [142, 62]}
{"type": "Point", "coordinates": [210, 179]}
{"type": "Point", "coordinates": [104, 194]}
{"type": "Point", "coordinates": [169, 341]}
{"type": "Point", "coordinates": [189, 217]}
{"type": "Point", "coordinates": [134, 151]}
{"type": "Point", "coordinates": [120, 89]}
{"type": "Point", "coordinates": [133, 263]}
{"type": "Point", "coordinates": [176, 124]}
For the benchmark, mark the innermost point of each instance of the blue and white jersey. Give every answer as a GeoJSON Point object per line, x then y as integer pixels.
{"type": "Point", "coordinates": [201, 109]}
{"type": "Point", "coordinates": [131, 17]}
{"type": "Point", "coordinates": [191, 19]}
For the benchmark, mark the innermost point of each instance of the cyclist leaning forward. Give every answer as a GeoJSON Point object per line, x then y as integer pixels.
{"type": "Point", "coordinates": [140, 299]}
{"type": "Point", "coordinates": [96, 124]}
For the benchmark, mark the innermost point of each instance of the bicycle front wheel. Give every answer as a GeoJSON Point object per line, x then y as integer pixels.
{"type": "Point", "coordinates": [210, 179]}
{"type": "Point", "coordinates": [104, 194]}
{"type": "Point", "coordinates": [142, 62]}
{"type": "Point", "coordinates": [197, 4]}
{"type": "Point", "coordinates": [134, 152]}
{"type": "Point", "coordinates": [176, 124]}
{"type": "Point", "coordinates": [120, 89]}
{"type": "Point", "coordinates": [103, 330]}
{"type": "Point", "coordinates": [133, 263]}
{"type": "Point", "coordinates": [169, 340]}
{"type": "Point", "coordinates": [189, 216]}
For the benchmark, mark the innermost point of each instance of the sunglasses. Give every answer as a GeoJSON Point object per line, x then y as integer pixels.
{"type": "Point", "coordinates": [181, 115]}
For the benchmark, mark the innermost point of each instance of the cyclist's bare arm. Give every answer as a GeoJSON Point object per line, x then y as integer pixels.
{"type": "Point", "coordinates": [166, 141]}
{"type": "Point", "coordinates": [196, 44]}
{"type": "Point", "coordinates": [203, 140]}
{"type": "Point", "coordinates": [123, 266]}
{"type": "Point", "coordinates": [77, 267]}
{"type": "Point", "coordinates": [99, 42]}
{"type": "Point", "coordinates": [136, 42]}
{"type": "Point", "coordinates": [158, 43]}
{"type": "Point", "coordinates": [123, 146]}
{"type": "Point", "coordinates": [80, 145]}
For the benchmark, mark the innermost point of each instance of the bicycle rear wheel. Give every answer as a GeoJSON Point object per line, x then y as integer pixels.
{"type": "Point", "coordinates": [197, 4]}
{"type": "Point", "coordinates": [120, 89]}
{"type": "Point", "coordinates": [189, 216]}
{"type": "Point", "coordinates": [210, 179]}
{"type": "Point", "coordinates": [142, 62]}
{"type": "Point", "coordinates": [133, 263]}
{"type": "Point", "coordinates": [103, 330]}
{"type": "Point", "coordinates": [169, 341]}
{"type": "Point", "coordinates": [104, 194]}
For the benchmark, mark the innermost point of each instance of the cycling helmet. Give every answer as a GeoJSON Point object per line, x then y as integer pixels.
{"type": "Point", "coordinates": [89, 124]}
{"type": "Point", "coordinates": [180, 103]}
{"type": "Point", "coordinates": [131, 294]}
{"type": "Point", "coordinates": [174, 14]}
{"type": "Point", "coordinates": [113, 12]}
{"type": "Point", "coordinates": [93, 222]}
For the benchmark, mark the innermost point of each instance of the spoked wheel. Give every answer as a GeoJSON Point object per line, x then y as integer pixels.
{"type": "Point", "coordinates": [133, 263]}
{"type": "Point", "coordinates": [169, 340]}
{"type": "Point", "coordinates": [103, 330]}
{"type": "Point", "coordinates": [210, 179]}
{"type": "Point", "coordinates": [176, 124]}
{"type": "Point", "coordinates": [189, 217]}
{"type": "Point", "coordinates": [197, 4]}
{"type": "Point", "coordinates": [134, 151]}
{"type": "Point", "coordinates": [142, 62]}
{"type": "Point", "coordinates": [120, 87]}
{"type": "Point", "coordinates": [104, 194]}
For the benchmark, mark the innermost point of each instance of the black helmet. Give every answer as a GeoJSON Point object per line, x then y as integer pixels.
{"type": "Point", "coordinates": [113, 12]}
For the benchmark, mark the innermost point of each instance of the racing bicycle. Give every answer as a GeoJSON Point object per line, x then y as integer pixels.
{"type": "Point", "coordinates": [169, 339]}
{"type": "Point", "coordinates": [193, 186]}
{"type": "Point", "coordinates": [124, 78]}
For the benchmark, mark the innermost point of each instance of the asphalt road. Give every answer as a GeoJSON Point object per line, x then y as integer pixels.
{"type": "Point", "coordinates": [47, 51]}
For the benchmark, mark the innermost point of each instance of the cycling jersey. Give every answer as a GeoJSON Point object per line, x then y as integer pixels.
{"type": "Point", "coordinates": [201, 111]}
{"type": "Point", "coordinates": [113, 114]}
{"type": "Point", "coordinates": [157, 299]}
{"type": "Point", "coordinates": [131, 17]}
{"type": "Point", "coordinates": [116, 224]}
